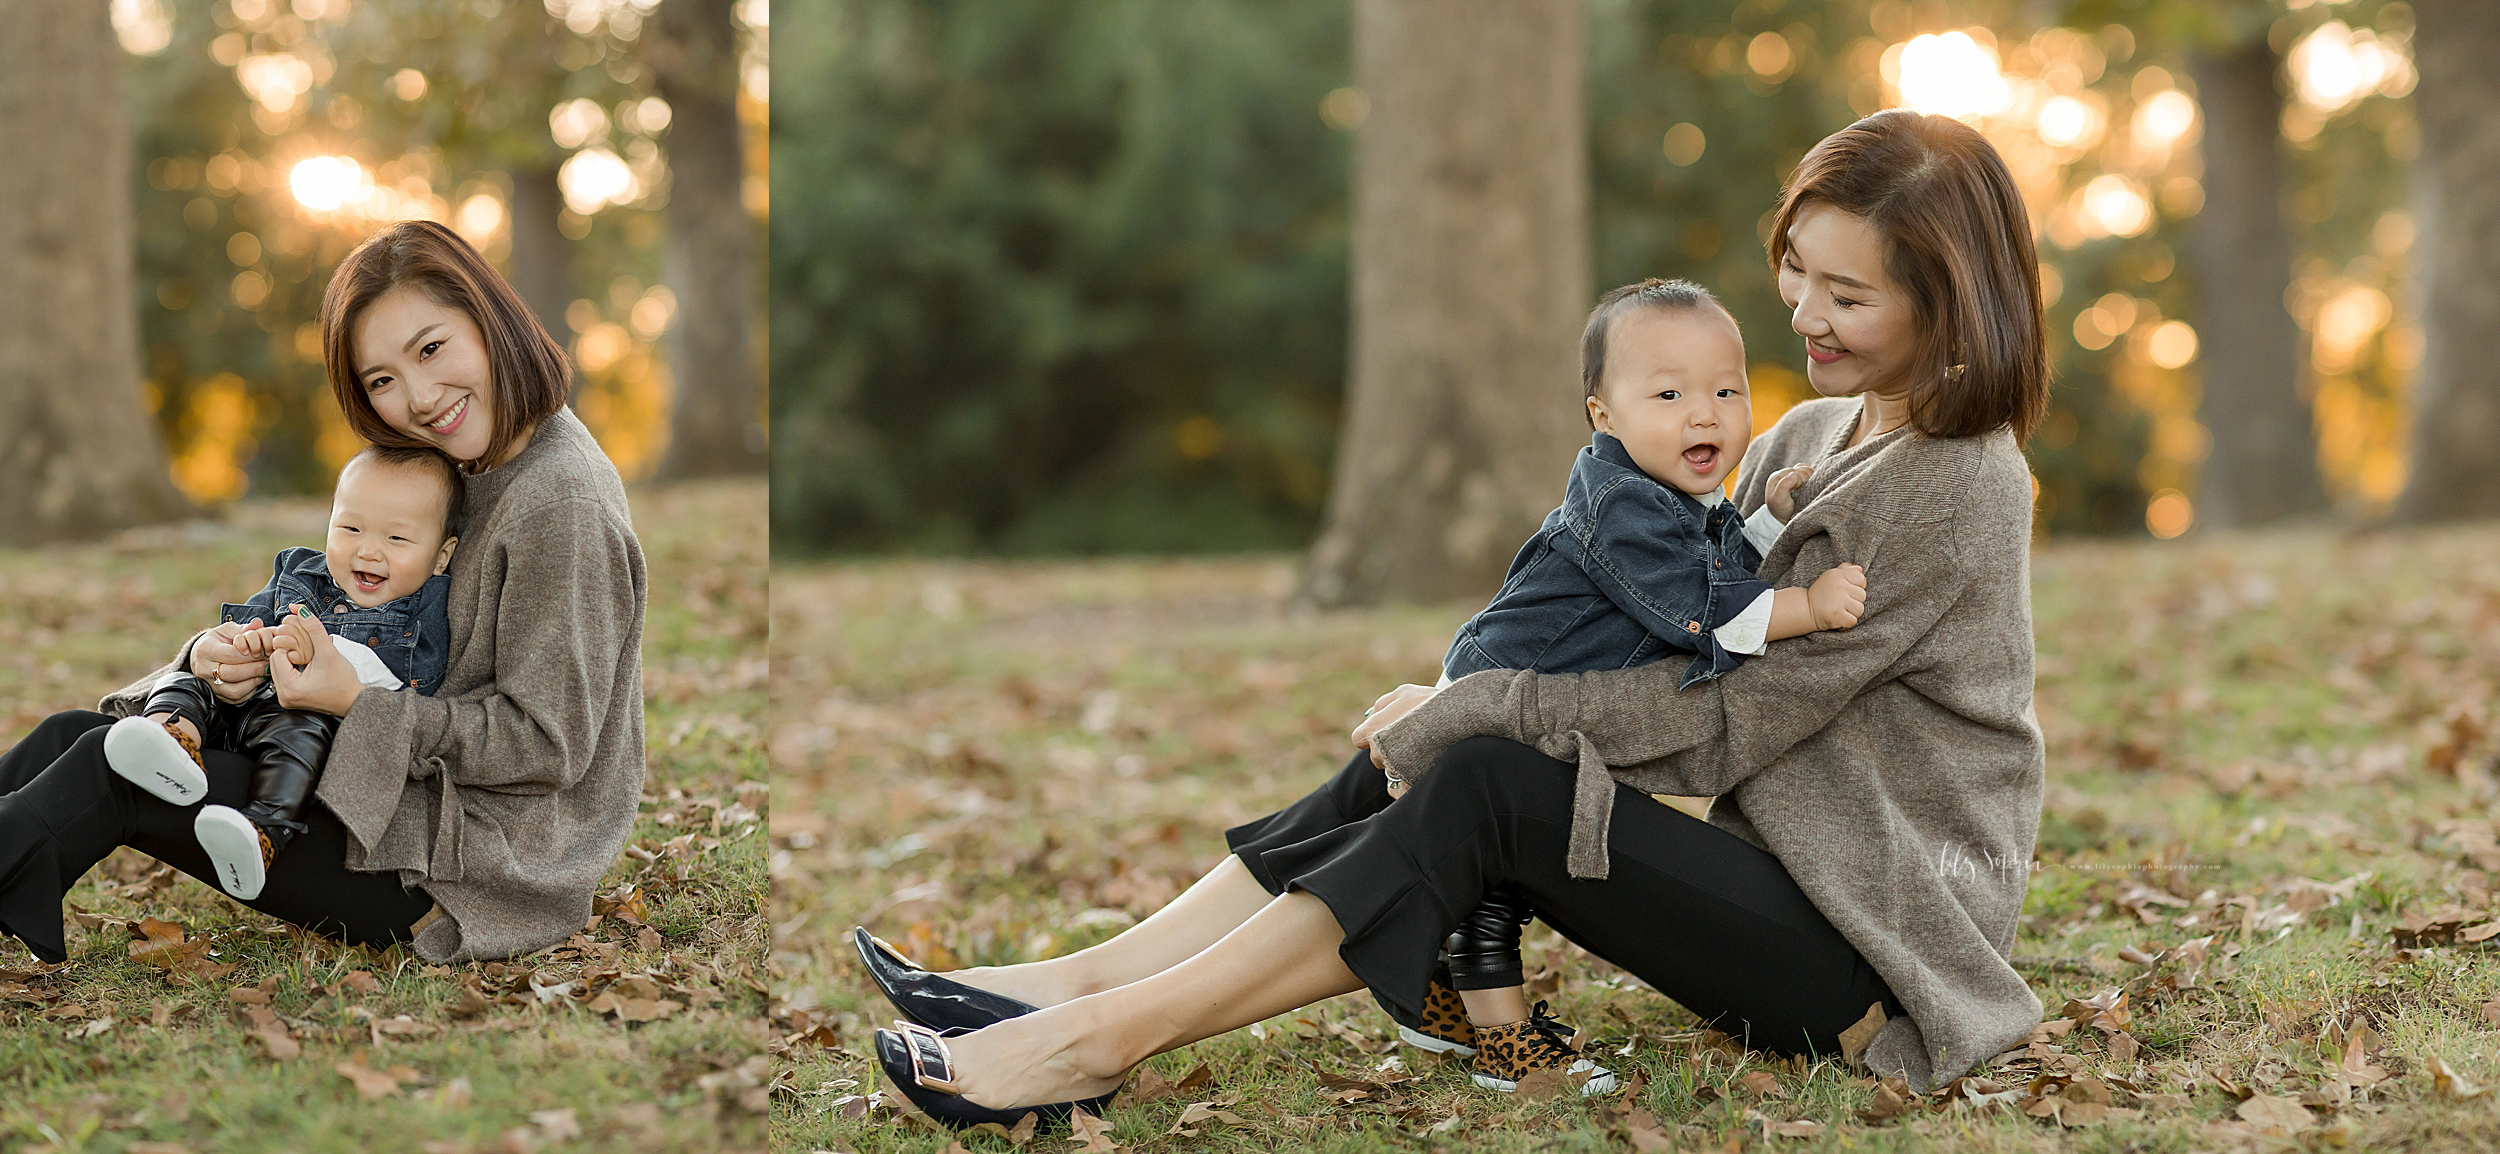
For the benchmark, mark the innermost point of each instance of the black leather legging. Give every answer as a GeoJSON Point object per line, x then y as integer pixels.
{"type": "Point", "coordinates": [62, 810]}
{"type": "Point", "coordinates": [1702, 915]}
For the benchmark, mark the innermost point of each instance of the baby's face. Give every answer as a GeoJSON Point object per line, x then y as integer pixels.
{"type": "Point", "coordinates": [386, 531]}
{"type": "Point", "coordinates": [1674, 393]}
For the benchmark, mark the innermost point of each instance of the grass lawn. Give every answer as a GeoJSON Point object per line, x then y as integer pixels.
{"type": "Point", "coordinates": [2268, 826]}
{"type": "Point", "coordinates": [645, 1032]}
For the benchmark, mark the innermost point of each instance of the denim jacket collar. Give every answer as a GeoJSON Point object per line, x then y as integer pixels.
{"type": "Point", "coordinates": [312, 568]}
{"type": "Point", "coordinates": [1606, 463]}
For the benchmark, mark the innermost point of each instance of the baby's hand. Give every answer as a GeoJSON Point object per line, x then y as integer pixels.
{"type": "Point", "coordinates": [296, 634]}
{"type": "Point", "coordinates": [1780, 494]}
{"type": "Point", "coordinates": [252, 638]}
{"type": "Point", "coordinates": [1838, 597]}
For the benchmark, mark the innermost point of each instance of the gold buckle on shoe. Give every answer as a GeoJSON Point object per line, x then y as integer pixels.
{"type": "Point", "coordinates": [932, 1067]}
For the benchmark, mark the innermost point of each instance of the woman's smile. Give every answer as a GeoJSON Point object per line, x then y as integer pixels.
{"type": "Point", "coordinates": [1822, 356]}
{"type": "Point", "coordinates": [449, 423]}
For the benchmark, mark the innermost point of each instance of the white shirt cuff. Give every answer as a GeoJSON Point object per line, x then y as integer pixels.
{"type": "Point", "coordinates": [1762, 529]}
{"type": "Point", "coordinates": [368, 664]}
{"type": "Point", "coordinates": [1749, 632]}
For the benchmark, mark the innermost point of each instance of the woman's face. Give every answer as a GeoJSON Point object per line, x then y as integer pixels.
{"type": "Point", "coordinates": [423, 366]}
{"type": "Point", "coordinates": [1855, 320]}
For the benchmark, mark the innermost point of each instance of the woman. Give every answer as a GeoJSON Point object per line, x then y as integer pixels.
{"type": "Point", "coordinates": [1878, 788]}
{"type": "Point", "coordinates": [474, 823]}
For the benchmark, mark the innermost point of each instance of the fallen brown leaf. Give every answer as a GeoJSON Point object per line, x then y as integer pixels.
{"type": "Point", "coordinates": [2448, 1082]}
{"type": "Point", "coordinates": [1197, 1113]}
{"type": "Point", "coordinates": [2270, 1111]}
{"type": "Point", "coordinates": [1092, 1134]}
{"type": "Point", "coordinates": [1761, 1084]}
{"type": "Point", "coordinates": [370, 1083]}
{"type": "Point", "coordinates": [1892, 1100]}
{"type": "Point", "coordinates": [1854, 1039]}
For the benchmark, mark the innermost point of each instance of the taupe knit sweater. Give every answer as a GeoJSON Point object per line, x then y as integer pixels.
{"type": "Point", "coordinates": [509, 793]}
{"type": "Point", "coordinates": [1894, 768]}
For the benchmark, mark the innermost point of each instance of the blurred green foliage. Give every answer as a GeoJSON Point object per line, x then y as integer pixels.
{"type": "Point", "coordinates": [1070, 277]}
{"type": "Point", "coordinates": [1052, 276]}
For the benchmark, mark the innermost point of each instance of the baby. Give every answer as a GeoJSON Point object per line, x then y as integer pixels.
{"type": "Point", "coordinates": [1644, 557]}
{"type": "Point", "coordinates": [380, 593]}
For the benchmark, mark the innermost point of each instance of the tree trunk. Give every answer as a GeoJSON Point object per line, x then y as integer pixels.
{"type": "Point", "coordinates": [79, 454]}
{"type": "Point", "coordinates": [2264, 464]}
{"type": "Point", "coordinates": [716, 425]}
{"type": "Point", "coordinates": [1470, 283]}
{"type": "Point", "coordinates": [541, 261]}
{"type": "Point", "coordinates": [2454, 470]}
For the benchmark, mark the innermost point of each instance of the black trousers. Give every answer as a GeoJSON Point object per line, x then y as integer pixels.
{"type": "Point", "coordinates": [63, 809]}
{"type": "Point", "coordinates": [1695, 911]}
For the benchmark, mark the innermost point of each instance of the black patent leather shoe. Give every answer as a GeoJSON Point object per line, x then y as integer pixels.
{"type": "Point", "coordinates": [939, 1003]}
{"type": "Point", "coordinates": [916, 1061]}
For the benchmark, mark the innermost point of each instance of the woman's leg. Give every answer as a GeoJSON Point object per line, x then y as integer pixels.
{"type": "Point", "coordinates": [1212, 907]}
{"type": "Point", "coordinates": [1703, 916]}
{"type": "Point", "coordinates": [59, 818]}
{"type": "Point", "coordinates": [1282, 958]}
{"type": "Point", "coordinates": [50, 739]}
{"type": "Point", "coordinates": [1708, 919]}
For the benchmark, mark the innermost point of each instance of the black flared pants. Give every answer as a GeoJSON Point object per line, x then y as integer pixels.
{"type": "Point", "coordinates": [1705, 917]}
{"type": "Point", "coordinates": [63, 809]}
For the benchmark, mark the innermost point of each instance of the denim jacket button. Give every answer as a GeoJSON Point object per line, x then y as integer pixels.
{"type": "Point", "coordinates": [373, 643]}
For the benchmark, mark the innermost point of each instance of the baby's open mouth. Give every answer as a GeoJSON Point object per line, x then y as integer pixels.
{"type": "Point", "coordinates": [1702, 458]}
{"type": "Point", "coordinates": [369, 582]}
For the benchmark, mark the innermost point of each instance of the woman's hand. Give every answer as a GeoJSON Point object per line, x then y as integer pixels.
{"type": "Point", "coordinates": [326, 683]}
{"type": "Point", "coordinates": [1384, 713]}
{"type": "Point", "coordinates": [232, 659]}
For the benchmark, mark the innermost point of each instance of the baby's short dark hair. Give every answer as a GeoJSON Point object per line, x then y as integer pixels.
{"type": "Point", "coordinates": [456, 487]}
{"type": "Point", "coordinates": [1674, 295]}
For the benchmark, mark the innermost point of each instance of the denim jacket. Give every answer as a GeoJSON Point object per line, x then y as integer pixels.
{"type": "Point", "coordinates": [411, 635]}
{"type": "Point", "coordinates": [1624, 570]}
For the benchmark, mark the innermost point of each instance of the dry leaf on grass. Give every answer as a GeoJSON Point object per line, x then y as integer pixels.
{"type": "Point", "coordinates": [1145, 1086]}
{"type": "Point", "coordinates": [1893, 1099]}
{"type": "Point", "coordinates": [1196, 1114]}
{"type": "Point", "coordinates": [1092, 1134]}
{"type": "Point", "coordinates": [1761, 1083]}
{"type": "Point", "coordinates": [2271, 1111]}
{"type": "Point", "coordinates": [2448, 1082]}
{"type": "Point", "coordinates": [1540, 1085]}
{"type": "Point", "coordinates": [2356, 1066]}
{"type": "Point", "coordinates": [1021, 1134]}
{"type": "Point", "coordinates": [163, 944]}
{"type": "Point", "coordinates": [272, 1034]}
{"type": "Point", "coordinates": [1854, 1039]}
{"type": "Point", "coordinates": [371, 1083]}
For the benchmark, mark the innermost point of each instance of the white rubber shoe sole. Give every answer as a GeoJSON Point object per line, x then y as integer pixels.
{"type": "Point", "coordinates": [233, 845]}
{"type": "Point", "coordinates": [1602, 1081]}
{"type": "Point", "coordinates": [146, 753]}
{"type": "Point", "coordinates": [1423, 1041]}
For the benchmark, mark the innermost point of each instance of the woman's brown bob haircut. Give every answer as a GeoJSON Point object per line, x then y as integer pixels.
{"type": "Point", "coordinates": [532, 377]}
{"type": "Point", "coordinates": [1957, 240]}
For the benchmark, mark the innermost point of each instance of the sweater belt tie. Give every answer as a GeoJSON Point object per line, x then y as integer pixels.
{"type": "Point", "coordinates": [445, 864]}
{"type": "Point", "coordinates": [1592, 810]}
